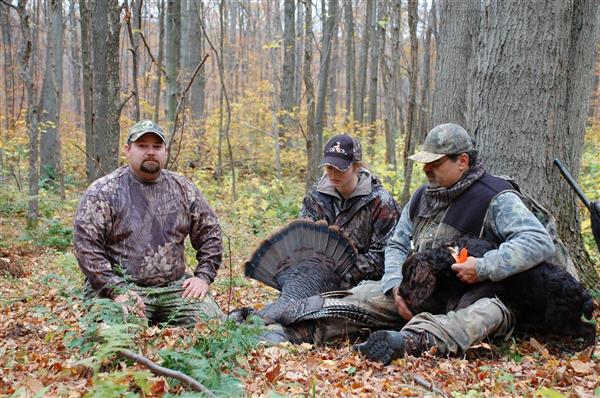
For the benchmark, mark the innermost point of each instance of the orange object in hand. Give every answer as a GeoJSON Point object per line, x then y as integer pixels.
{"type": "Point", "coordinates": [462, 256]}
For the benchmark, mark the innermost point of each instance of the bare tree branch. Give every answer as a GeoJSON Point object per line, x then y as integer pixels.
{"type": "Point", "coordinates": [162, 371]}
{"type": "Point", "coordinates": [91, 158]}
{"type": "Point", "coordinates": [150, 53]}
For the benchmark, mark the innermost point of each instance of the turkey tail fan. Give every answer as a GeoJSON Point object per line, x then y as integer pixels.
{"type": "Point", "coordinates": [300, 242]}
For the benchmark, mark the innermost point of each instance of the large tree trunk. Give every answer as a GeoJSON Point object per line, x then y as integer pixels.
{"type": "Point", "coordinates": [409, 141]}
{"type": "Point", "coordinates": [457, 41]}
{"type": "Point", "coordinates": [288, 67]}
{"type": "Point", "coordinates": [531, 90]}
{"type": "Point", "coordinates": [49, 116]}
{"type": "Point", "coordinates": [105, 24]}
{"type": "Point", "coordinates": [312, 151]}
{"type": "Point", "coordinates": [173, 49]}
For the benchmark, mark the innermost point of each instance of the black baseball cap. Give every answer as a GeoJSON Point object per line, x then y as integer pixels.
{"type": "Point", "coordinates": [341, 151]}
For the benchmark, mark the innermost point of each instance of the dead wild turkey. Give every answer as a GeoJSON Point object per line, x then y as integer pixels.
{"type": "Point", "coordinates": [303, 259]}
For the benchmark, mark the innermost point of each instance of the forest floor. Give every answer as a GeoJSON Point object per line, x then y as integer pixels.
{"type": "Point", "coordinates": [43, 352]}
{"type": "Point", "coordinates": [51, 347]}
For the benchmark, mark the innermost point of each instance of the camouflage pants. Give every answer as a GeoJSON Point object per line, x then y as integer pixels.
{"type": "Point", "coordinates": [165, 305]}
{"type": "Point", "coordinates": [454, 332]}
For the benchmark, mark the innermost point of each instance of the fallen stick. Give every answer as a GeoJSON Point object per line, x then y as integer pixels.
{"type": "Point", "coordinates": [424, 383]}
{"type": "Point", "coordinates": [162, 371]}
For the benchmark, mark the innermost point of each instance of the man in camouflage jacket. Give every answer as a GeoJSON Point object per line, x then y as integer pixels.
{"type": "Point", "coordinates": [130, 229]}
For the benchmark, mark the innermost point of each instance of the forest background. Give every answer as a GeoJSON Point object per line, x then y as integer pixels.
{"type": "Point", "coordinates": [248, 92]}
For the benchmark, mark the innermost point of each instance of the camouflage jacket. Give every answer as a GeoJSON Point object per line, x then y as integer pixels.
{"type": "Point", "coordinates": [524, 241]}
{"type": "Point", "coordinates": [367, 217]}
{"type": "Point", "coordinates": [127, 230]}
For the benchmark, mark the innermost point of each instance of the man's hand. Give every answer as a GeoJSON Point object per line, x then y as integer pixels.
{"type": "Point", "coordinates": [467, 271]}
{"type": "Point", "coordinates": [195, 287]}
{"type": "Point", "coordinates": [132, 301]}
{"type": "Point", "coordinates": [401, 306]}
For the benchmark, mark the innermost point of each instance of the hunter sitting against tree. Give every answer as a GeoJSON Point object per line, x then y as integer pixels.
{"type": "Point", "coordinates": [130, 229]}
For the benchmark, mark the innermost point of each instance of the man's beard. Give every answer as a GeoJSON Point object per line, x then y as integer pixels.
{"type": "Point", "coordinates": [150, 166]}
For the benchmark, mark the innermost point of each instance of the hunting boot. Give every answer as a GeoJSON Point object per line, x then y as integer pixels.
{"type": "Point", "coordinates": [387, 345]}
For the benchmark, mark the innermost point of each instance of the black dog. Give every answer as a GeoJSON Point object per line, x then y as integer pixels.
{"type": "Point", "coordinates": [545, 299]}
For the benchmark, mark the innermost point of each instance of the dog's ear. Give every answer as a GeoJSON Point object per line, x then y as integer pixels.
{"type": "Point", "coordinates": [422, 284]}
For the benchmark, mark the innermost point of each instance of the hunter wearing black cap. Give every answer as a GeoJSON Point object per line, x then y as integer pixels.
{"type": "Point", "coordinates": [347, 195]}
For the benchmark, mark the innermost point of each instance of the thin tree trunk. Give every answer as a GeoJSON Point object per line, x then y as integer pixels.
{"type": "Point", "coordinates": [409, 142]}
{"type": "Point", "coordinates": [159, 61]}
{"type": "Point", "coordinates": [27, 74]}
{"type": "Point", "coordinates": [288, 66]}
{"type": "Point", "coordinates": [312, 157]}
{"type": "Point", "coordinates": [198, 97]}
{"type": "Point", "coordinates": [75, 48]}
{"type": "Point", "coordinates": [173, 50]}
{"type": "Point", "coordinates": [425, 108]}
{"type": "Point", "coordinates": [362, 61]}
{"type": "Point", "coordinates": [376, 38]}
{"type": "Point", "coordinates": [350, 59]}
{"type": "Point", "coordinates": [49, 108]}
{"type": "Point", "coordinates": [88, 92]}
{"type": "Point", "coordinates": [134, 23]}
{"type": "Point", "coordinates": [9, 71]}
{"type": "Point", "coordinates": [299, 52]}
{"type": "Point", "coordinates": [332, 85]}
{"type": "Point", "coordinates": [332, 14]}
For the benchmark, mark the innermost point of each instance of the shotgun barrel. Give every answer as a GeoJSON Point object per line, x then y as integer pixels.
{"type": "Point", "coordinates": [565, 173]}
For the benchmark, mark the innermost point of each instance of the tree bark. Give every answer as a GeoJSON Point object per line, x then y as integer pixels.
{"type": "Point", "coordinates": [288, 66]}
{"type": "Point", "coordinates": [457, 42]}
{"type": "Point", "coordinates": [91, 171]}
{"type": "Point", "coordinates": [75, 48]}
{"type": "Point", "coordinates": [424, 109]}
{"type": "Point", "coordinates": [324, 76]}
{"type": "Point", "coordinates": [531, 90]}
{"type": "Point", "coordinates": [359, 100]}
{"type": "Point", "coordinates": [172, 56]}
{"type": "Point", "coordinates": [198, 97]}
{"type": "Point", "coordinates": [107, 106]}
{"type": "Point", "coordinates": [312, 152]}
{"type": "Point", "coordinates": [31, 121]}
{"type": "Point", "coordinates": [134, 23]}
{"type": "Point", "coordinates": [9, 71]}
{"type": "Point", "coordinates": [376, 37]}
{"type": "Point", "coordinates": [409, 141]}
{"type": "Point", "coordinates": [51, 95]}
{"type": "Point", "coordinates": [299, 51]}
{"type": "Point", "coordinates": [160, 57]}
{"type": "Point", "coordinates": [350, 59]}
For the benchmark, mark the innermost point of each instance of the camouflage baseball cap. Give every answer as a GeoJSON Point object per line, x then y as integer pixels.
{"type": "Point", "coordinates": [444, 139]}
{"type": "Point", "coordinates": [145, 126]}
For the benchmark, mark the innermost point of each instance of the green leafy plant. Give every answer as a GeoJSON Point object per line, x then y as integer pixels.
{"type": "Point", "coordinates": [213, 357]}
